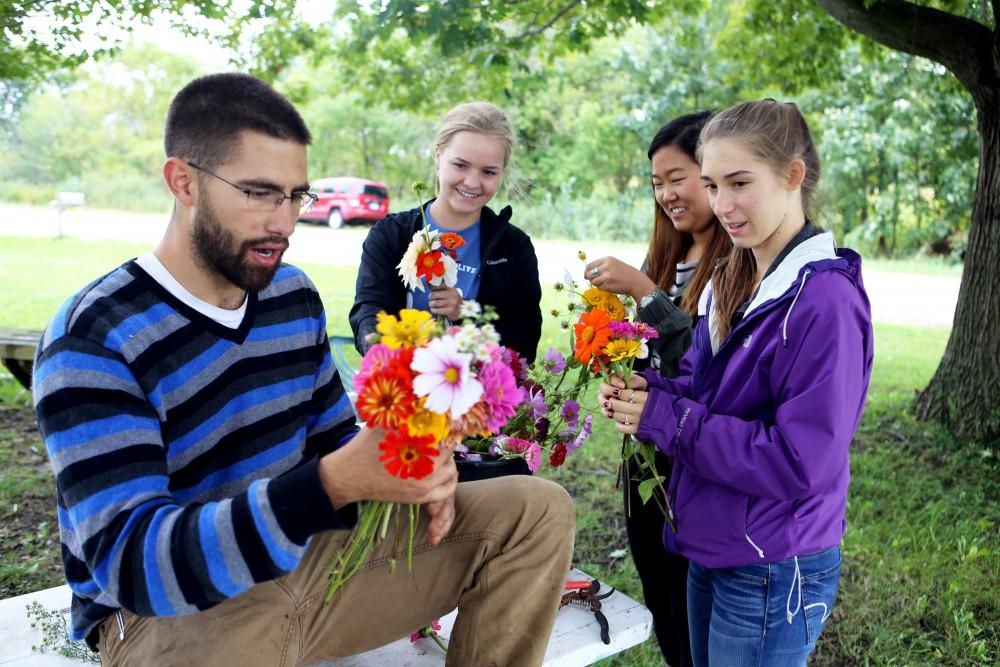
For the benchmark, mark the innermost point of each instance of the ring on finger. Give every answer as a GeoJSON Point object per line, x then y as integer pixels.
{"type": "Point", "coordinates": [626, 420]}
{"type": "Point", "coordinates": [631, 397]}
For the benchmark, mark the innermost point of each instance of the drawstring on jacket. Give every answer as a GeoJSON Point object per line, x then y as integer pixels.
{"type": "Point", "coordinates": [784, 325]}
{"type": "Point", "coordinates": [796, 584]}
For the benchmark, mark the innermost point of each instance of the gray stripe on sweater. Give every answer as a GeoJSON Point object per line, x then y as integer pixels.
{"type": "Point", "coordinates": [226, 535]}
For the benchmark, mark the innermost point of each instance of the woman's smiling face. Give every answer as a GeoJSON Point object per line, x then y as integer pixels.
{"type": "Point", "coordinates": [470, 170]}
{"type": "Point", "coordinates": [678, 189]}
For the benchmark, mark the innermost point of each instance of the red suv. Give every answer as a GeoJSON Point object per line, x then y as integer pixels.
{"type": "Point", "coordinates": [347, 200]}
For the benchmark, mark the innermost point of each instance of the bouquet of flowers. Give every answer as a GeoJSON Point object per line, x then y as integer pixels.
{"type": "Point", "coordinates": [548, 424]}
{"type": "Point", "coordinates": [609, 340]}
{"type": "Point", "coordinates": [431, 257]}
{"type": "Point", "coordinates": [428, 388]}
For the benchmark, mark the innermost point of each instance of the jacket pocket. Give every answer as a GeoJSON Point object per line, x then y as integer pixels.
{"type": "Point", "coordinates": [711, 522]}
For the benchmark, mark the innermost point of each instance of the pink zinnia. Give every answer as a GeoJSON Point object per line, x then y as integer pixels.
{"type": "Point", "coordinates": [530, 449]}
{"type": "Point", "coordinates": [500, 392]}
{"type": "Point", "coordinates": [646, 331]}
{"type": "Point", "coordinates": [622, 330]}
{"type": "Point", "coordinates": [375, 361]}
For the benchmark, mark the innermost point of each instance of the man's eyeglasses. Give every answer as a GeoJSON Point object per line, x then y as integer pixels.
{"type": "Point", "coordinates": [263, 199]}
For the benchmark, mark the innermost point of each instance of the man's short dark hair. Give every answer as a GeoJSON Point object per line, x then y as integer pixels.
{"type": "Point", "coordinates": [207, 116]}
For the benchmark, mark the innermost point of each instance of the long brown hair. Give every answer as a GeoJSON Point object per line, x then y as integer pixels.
{"type": "Point", "coordinates": [777, 134]}
{"type": "Point", "coordinates": [667, 245]}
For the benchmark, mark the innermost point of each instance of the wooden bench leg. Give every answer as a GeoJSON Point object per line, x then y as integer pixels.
{"type": "Point", "coordinates": [21, 370]}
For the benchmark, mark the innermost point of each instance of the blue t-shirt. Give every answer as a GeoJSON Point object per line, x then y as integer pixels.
{"type": "Point", "coordinates": [468, 266]}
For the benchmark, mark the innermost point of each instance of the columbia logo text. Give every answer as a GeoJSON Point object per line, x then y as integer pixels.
{"type": "Point", "coordinates": [680, 425]}
{"type": "Point", "coordinates": [492, 262]}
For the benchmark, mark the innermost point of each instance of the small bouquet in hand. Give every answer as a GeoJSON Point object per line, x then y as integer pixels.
{"type": "Point", "coordinates": [431, 257]}
{"type": "Point", "coordinates": [428, 389]}
{"type": "Point", "coordinates": [610, 338]}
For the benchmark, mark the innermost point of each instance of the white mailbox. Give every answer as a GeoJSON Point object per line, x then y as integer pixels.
{"type": "Point", "coordinates": [67, 199]}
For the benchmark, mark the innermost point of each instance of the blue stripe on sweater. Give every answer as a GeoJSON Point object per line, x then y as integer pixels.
{"type": "Point", "coordinates": [136, 323]}
{"type": "Point", "coordinates": [330, 414]}
{"type": "Point", "coordinates": [242, 468]}
{"type": "Point", "coordinates": [302, 325]}
{"type": "Point", "coordinates": [236, 406]}
{"type": "Point", "coordinates": [215, 559]}
{"type": "Point", "coordinates": [100, 428]}
{"type": "Point", "coordinates": [78, 361]}
{"type": "Point", "coordinates": [192, 368]}
{"type": "Point", "coordinates": [282, 558]}
{"type": "Point", "coordinates": [158, 598]}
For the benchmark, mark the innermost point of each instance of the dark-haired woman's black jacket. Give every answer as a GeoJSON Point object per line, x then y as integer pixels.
{"type": "Point", "coordinates": [508, 277]}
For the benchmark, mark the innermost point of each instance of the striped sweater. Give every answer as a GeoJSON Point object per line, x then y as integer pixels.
{"type": "Point", "coordinates": [185, 451]}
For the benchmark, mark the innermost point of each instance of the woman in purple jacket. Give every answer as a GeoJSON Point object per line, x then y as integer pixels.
{"type": "Point", "coordinates": [761, 417]}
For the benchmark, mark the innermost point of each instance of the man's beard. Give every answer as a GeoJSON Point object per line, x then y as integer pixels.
{"type": "Point", "coordinates": [216, 250]}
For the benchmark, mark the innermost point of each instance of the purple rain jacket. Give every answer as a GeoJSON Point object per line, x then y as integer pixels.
{"type": "Point", "coordinates": [760, 423]}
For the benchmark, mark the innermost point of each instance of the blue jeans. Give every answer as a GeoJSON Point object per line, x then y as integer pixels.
{"type": "Point", "coordinates": [767, 615]}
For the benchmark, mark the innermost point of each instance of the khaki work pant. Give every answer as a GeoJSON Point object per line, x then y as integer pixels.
{"type": "Point", "coordinates": [503, 565]}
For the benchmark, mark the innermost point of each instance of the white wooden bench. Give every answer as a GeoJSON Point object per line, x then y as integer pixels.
{"type": "Point", "coordinates": [575, 639]}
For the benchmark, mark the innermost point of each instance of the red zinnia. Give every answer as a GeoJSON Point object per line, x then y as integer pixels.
{"type": "Point", "coordinates": [558, 456]}
{"type": "Point", "coordinates": [429, 265]}
{"type": "Point", "coordinates": [406, 455]}
{"type": "Point", "coordinates": [593, 332]}
{"type": "Point", "coordinates": [386, 401]}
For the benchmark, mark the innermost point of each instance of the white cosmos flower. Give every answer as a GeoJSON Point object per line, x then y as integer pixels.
{"type": "Point", "coordinates": [443, 376]}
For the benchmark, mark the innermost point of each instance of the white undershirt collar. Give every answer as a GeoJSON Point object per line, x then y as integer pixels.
{"type": "Point", "coordinates": [151, 264]}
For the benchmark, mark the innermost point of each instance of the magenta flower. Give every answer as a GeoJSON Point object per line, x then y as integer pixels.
{"type": "Point", "coordinates": [500, 392]}
{"type": "Point", "coordinates": [554, 361]}
{"type": "Point", "coordinates": [646, 331]}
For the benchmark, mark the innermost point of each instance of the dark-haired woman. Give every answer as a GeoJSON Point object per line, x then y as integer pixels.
{"type": "Point", "coordinates": [685, 246]}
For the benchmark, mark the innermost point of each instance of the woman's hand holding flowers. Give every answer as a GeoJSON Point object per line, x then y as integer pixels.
{"type": "Point", "coordinates": [613, 275]}
{"type": "Point", "coordinates": [445, 301]}
{"type": "Point", "coordinates": [622, 404]}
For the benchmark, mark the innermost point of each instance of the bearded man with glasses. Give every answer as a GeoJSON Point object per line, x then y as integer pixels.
{"type": "Point", "coordinates": [207, 460]}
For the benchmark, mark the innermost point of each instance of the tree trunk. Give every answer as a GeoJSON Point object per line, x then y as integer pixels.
{"type": "Point", "coordinates": [964, 393]}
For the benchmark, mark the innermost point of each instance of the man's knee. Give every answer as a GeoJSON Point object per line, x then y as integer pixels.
{"type": "Point", "coordinates": [540, 501]}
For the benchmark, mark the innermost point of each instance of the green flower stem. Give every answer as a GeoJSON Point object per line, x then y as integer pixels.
{"type": "Point", "coordinates": [437, 640]}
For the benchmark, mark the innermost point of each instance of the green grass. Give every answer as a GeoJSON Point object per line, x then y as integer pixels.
{"type": "Point", "coordinates": [921, 555]}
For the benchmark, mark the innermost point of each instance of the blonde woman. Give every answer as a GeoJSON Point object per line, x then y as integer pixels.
{"type": "Point", "coordinates": [473, 152]}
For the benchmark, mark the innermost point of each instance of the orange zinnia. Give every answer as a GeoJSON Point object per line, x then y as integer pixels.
{"type": "Point", "coordinates": [386, 400]}
{"type": "Point", "coordinates": [429, 265]}
{"type": "Point", "coordinates": [406, 455]}
{"type": "Point", "coordinates": [451, 242]}
{"type": "Point", "coordinates": [593, 332]}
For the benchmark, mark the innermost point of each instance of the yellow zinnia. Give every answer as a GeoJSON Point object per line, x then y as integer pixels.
{"type": "Point", "coordinates": [620, 349]}
{"type": "Point", "coordinates": [606, 301]}
{"type": "Point", "coordinates": [413, 328]}
{"type": "Point", "coordinates": [425, 422]}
